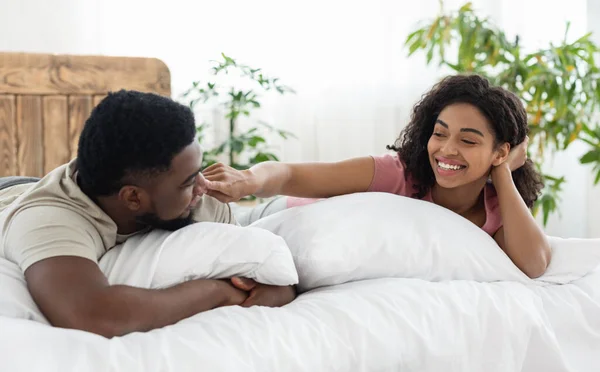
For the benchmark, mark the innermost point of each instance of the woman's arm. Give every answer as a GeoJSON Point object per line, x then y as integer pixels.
{"type": "Point", "coordinates": [307, 180]}
{"type": "Point", "coordinates": [520, 236]}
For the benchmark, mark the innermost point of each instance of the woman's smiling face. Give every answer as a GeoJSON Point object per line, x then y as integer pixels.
{"type": "Point", "coordinates": [462, 147]}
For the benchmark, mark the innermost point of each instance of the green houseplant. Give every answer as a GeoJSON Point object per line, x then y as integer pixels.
{"type": "Point", "coordinates": [235, 99]}
{"type": "Point", "coordinates": [558, 84]}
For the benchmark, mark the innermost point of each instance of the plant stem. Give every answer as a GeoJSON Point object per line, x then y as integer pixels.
{"type": "Point", "coordinates": [231, 134]}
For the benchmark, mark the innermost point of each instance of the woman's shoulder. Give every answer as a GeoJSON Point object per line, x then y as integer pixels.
{"type": "Point", "coordinates": [390, 175]}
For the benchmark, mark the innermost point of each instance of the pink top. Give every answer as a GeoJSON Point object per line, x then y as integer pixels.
{"type": "Point", "coordinates": [389, 177]}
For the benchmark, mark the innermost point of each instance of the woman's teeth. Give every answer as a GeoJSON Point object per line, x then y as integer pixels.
{"type": "Point", "coordinates": [449, 166]}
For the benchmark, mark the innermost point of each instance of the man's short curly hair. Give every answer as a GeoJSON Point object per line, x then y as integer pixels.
{"type": "Point", "coordinates": [502, 108]}
{"type": "Point", "coordinates": [131, 134]}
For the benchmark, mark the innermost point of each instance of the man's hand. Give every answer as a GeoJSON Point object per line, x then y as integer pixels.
{"type": "Point", "coordinates": [227, 184]}
{"type": "Point", "coordinates": [264, 295]}
{"type": "Point", "coordinates": [232, 295]}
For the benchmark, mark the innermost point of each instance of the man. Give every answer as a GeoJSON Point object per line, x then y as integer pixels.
{"type": "Point", "coordinates": [138, 167]}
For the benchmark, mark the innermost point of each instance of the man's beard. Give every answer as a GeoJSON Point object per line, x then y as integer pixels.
{"type": "Point", "coordinates": [153, 221]}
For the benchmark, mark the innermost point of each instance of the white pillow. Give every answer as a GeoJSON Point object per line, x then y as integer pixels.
{"type": "Point", "coordinates": [15, 299]}
{"type": "Point", "coordinates": [207, 250]}
{"type": "Point", "coordinates": [571, 259]}
{"type": "Point", "coordinates": [374, 235]}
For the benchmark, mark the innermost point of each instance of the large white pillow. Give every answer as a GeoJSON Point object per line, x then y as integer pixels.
{"type": "Point", "coordinates": [375, 235]}
{"type": "Point", "coordinates": [572, 259]}
{"type": "Point", "coordinates": [15, 299]}
{"type": "Point", "coordinates": [160, 259]}
{"type": "Point", "coordinates": [206, 250]}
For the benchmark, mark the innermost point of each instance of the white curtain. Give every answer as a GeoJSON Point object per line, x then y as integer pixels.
{"type": "Point", "coordinates": [355, 86]}
{"type": "Point", "coordinates": [345, 60]}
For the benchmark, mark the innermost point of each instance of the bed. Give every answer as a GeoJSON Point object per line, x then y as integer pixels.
{"type": "Point", "coordinates": [45, 99]}
{"type": "Point", "coordinates": [383, 286]}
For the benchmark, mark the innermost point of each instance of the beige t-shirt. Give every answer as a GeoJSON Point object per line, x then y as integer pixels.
{"type": "Point", "coordinates": [53, 217]}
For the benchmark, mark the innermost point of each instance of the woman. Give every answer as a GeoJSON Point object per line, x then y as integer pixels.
{"type": "Point", "coordinates": [464, 149]}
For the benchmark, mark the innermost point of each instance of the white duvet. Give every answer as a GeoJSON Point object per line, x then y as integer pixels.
{"type": "Point", "coordinates": [413, 318]}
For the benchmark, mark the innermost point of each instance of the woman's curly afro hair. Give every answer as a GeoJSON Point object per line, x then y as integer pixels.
{"type": "Point", "coordinates": [504, 111]}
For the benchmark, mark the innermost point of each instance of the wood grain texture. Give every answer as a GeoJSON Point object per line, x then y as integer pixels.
{"type": "Point", "coordinates": [45, 100]}
{"type": "Point", "coordinates": [30, 159]}
{"type": "Point", "coordinates": [97, 99]}
{"type": "Point", "coordinates": [80, 108]}
{"type": "Point", "coordinates": [56, 131]}
{"type": "Point", "coordinates": [8, 136]}
{"type": "Point", "coordinates": [47, 74]}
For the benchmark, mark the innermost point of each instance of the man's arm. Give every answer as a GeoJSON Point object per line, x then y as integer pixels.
{"type": "Point", "coordinates": [72, 292]}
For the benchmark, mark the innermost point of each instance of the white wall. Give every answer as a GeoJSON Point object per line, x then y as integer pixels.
{"type": "Point", "coordinates": [344, 58]}
{"type": "Point", "coordinates": [57, 26]}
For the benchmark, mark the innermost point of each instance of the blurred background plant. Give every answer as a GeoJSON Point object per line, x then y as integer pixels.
{"type": "Point", "coordinates": [236, 89]}
{"type": "Point", "coordinates": [558, 84]}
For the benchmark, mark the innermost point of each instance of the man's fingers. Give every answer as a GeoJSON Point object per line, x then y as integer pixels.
{"type": "Point", "coordinates": [251, 300]}
{"type": "Point", "coordinates": [244, 284]}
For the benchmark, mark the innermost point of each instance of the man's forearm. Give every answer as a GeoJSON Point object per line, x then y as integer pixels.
{"type": "Point", "coordinates": [118, 310]}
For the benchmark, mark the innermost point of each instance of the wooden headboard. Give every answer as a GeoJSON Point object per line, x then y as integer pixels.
{"type": "Point", "coordinates": [45, 100]}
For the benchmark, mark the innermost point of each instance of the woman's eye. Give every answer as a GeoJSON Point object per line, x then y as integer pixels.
{"type": "Point", "coordinates": [469, 142]}
{"type": "Point", "coordinates": [437, 134]}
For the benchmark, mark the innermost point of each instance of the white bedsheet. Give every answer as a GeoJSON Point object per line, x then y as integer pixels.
{"type": "Point", "coordinates": [371, 325]}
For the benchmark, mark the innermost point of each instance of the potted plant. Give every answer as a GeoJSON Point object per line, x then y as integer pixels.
{"type": "Point", "coordinates": [234, 98]}
{"type": "Point", "coordinates": [558, 84]}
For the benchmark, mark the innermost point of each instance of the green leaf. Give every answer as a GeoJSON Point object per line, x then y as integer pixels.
{"type": "Point", "coordinates": [590, 156]}
{"type": "Point", "coordinates": [414, 36]}
{"type": "Point", "coordinates": [467, 7]}
{"type": "Point", "coordinates": [237, 146]}
{"type": "Point", "coordinates": [597, 177]}
{"type": "Point", "coordinates": [286, 135]}
{"type": "Point", "coordinates": [546, 209]}
{"type": "Point", "coordinates": [255, 140]}
{"type": "Point", "coordinates": [259, 158]}
{"type": "Point", "coordinates": [415, 45]}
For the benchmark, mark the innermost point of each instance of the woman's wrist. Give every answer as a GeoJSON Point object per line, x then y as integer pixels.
{"type": "Point", "coordinates": [253, 182]}
{"type": "Point", "coordinates": [500, 173]}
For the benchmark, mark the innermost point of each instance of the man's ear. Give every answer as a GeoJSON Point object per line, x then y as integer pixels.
{"type": "Point", "coordinates": [134, 198]}
{"type": "Point", "coordinates": [502, 153]}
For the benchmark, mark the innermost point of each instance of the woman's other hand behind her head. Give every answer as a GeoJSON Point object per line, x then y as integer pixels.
{"type": "Point", "coordinates": [517, 156]}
